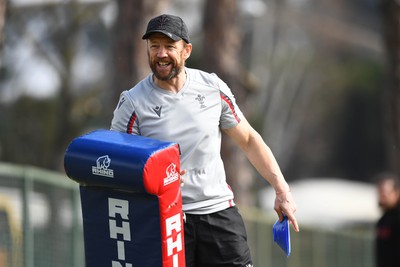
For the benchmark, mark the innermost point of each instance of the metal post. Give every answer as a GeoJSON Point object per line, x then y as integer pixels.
{"type": "Point", "coordinates": [77, 239]}
{"type": "Point", "coordinates": [29, 260]}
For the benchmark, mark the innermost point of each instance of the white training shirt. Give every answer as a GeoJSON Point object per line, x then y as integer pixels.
{"type": "Point", "coordinates": [192, 118]}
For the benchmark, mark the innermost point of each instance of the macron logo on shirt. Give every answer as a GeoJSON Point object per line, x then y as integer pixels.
{"type": "Point", "coordinates": [121, 102]}
{"type": "Point", "coordinates": [157, 110]}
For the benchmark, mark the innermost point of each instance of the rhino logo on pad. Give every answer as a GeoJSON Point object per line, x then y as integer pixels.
{"type": "Point", "coordinates": [101, 168]}
{"type": "Point", "coordinates": [172, 174]}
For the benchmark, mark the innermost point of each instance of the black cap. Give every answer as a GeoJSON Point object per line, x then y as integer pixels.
{"type": "Point", "coordinates": [171, 26]}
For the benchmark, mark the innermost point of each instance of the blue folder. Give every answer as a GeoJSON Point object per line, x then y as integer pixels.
{"type": "Point", "coordinates": [281, 231]}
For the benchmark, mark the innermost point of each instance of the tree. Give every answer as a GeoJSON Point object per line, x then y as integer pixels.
{"type": "Point", "coordinates": [38, 130]}
{"type": "Point", "coordinates": [129, 48]}
{"type": "Point", "coordinates": [221, 50]}
{"type": "Point", "coordinates": [391, 23]}
{"type": "Point", "coordinates": [3, 7]}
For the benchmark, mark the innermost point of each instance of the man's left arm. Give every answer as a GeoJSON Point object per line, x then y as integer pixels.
{"type": "Point", "coordinates": [262, 158]}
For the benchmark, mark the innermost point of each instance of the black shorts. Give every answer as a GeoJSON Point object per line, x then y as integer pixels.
{"type": "Point", "coordinates": [217, 239]}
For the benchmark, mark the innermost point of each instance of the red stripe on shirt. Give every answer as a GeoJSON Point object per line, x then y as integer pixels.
{"type": "Point", "coordinates": [230, 104]}
{"type": "Point", "coordinates": [131, 122]}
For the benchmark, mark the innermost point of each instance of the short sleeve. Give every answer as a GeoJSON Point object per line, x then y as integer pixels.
{"type": "Point", "coordinates": [231, 114]}
{"type": "Point", "coordinates": [125, 118]}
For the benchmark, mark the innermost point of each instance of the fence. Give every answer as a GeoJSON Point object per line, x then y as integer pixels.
{"type": "Point", "coordinates": [353, 247]}
{"type": "Point", "coordinates": [41, 226]}
{"type": "Point", "coordinates": [41, 219]}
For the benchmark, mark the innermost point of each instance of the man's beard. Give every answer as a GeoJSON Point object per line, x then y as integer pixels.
{"type": "Point", "coordinates": [176, 69]}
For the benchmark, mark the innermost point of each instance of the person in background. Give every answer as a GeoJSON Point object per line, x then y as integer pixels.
{"type": "Point", "coordinates": [388, 226]}
{"type": "Point", "coordinates": [192, 108]}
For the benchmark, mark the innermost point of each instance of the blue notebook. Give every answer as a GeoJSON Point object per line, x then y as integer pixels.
{"type": "Point", "coordinates": [281, 231]}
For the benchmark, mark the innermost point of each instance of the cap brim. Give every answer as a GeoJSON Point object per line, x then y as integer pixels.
{"type": "Point", "coordinates": [168, 34]}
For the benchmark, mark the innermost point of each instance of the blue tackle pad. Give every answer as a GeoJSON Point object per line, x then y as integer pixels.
{"type": "Point", "coordinates": [281, 231]}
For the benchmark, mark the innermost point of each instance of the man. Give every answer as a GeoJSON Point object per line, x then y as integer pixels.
{"type": "Point", "coordinates": [191, 107]}
{"type": "Point", "coordinates": [388, 227]}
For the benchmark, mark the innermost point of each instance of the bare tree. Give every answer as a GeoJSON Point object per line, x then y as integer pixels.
{"type": "Point", "coordinates": [130, 50]}
{"type": "Point", "coordinates": [49, 124]}
{"type": "Point", "coordinates": [221, 49]}
{"type": "Point", "coordinates": [3, 7]}
{"type": "Point", "coordinates": [391, 16]}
